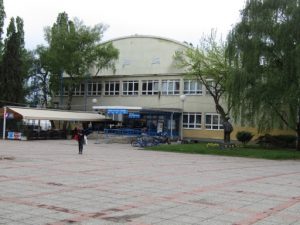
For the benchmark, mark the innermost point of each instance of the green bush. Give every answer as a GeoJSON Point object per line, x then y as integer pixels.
{"type": "Point", "coordinates": [285, 141]}
{"type": "Point", "coordinates": [244, 136]}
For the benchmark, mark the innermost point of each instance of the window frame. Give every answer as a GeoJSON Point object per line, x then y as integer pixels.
{"type": "Point", "coordinates": [198, 90]}
{"type": "Point", "coordinates": [172, 87]}
{"type": "Point", "coordinates": [130, 87]}
{"type": "Point", "coordinates": [79, 90]}
{"type": "Point", "coordinates": [212, 125]}
{"type": "Point", "coordinates": [94, 89]}
{"type": "Point", "coordinates": [153, 91]}
{"type": "Point", "coordinates": [113, 88]}
{"type": "Point", "coordinates": [187, 116]}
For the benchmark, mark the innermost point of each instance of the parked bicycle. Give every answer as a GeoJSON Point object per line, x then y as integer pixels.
{"type": "Point", "coordinates": [145, 141]}
{"type": "Point", "coordinates": [162, 138]}
{"type": "Point", "coordinates": [148, 141]}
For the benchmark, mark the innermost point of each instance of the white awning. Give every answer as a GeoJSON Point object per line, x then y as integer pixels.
{"type": "Point", "coordinates": [47, 114]}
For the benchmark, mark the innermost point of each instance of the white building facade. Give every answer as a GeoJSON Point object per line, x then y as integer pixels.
{"type": "Point", "coordinates": [148, 89]}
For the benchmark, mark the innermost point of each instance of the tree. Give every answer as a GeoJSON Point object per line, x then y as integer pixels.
{"type": "Point", "coordinates": [15, 64]}
{"type": "Point", "coordinates": [73, 49]}
{"type": "Point", "coordinates": [207, 64]}
{"type": "Point", "coordinates": [39, 78]}
{"type": "Point", "coordinates": [264, 49]}
{"type": "Point", "coordinates": [2, 17]}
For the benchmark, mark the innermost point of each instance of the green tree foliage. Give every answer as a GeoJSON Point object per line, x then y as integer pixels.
{"type": "Point", "coordinates": [73, 49]}
{"type": "Point", "coordinates": [15, 64]}
{"type": "Point", "coordinates": [207, 64]}
{"type": "Point", "coordinates": [15, 61]}
{"type": "Point", "coordinates": [39, 78]}
{"type": "Point", "coordinates": [264, 48]}
{"type": "Point", "coordinates": [2, 17]}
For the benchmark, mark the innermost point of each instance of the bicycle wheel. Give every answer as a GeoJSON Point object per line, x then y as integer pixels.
{"type": "Point", "coordinates": [135, 144]}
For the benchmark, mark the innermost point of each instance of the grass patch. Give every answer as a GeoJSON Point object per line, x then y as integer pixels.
{"type": "Point", "coordinates": [249, 151]}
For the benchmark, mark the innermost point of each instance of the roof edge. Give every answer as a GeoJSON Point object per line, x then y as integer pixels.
{"type": "Point", "coordinates": [146, 36]}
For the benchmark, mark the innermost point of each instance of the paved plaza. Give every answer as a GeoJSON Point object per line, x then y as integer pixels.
{"type": "Point", "coordinates": [48, 182]}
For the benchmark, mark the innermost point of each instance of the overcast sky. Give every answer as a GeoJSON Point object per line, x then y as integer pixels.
{"type": "Point", "coordinates": [182, 20]}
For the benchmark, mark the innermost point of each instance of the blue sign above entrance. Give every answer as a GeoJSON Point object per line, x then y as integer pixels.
{"type": "Point", "coordinates": [134, 115]}
{"type": "Point", "coordinates": [117, 111]}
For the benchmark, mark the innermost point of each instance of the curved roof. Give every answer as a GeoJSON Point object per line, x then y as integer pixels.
{"type": "Point", "coordinates": [146, 36]}
{"type": "Point", "coordinates": [145, 55]}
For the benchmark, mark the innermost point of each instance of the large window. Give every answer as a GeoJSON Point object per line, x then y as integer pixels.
{"type": "Point", "coordinates": [131, 87]}
{"type": "Point", "coordinates": [79, 90]}
{"type": "Point", "coordinates": [112, 88]}
{"type": "Point", "coordinates": [213, 121]}
{"type": "Point", "coordinates": [94, 89]}
{"type": "Point", "coordinates": [192, 87]}
{"type": "Point", "coordinates": [149, 87]}
{"type": "Point", "coordinates": [192, 120]}
{"type": "Point", "coordinates": [170, 87]}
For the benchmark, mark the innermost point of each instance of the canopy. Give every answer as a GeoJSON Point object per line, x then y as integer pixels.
{"type": "Point", "coordinates": [47, 114]}
{"type": "Point", "coordinates": [138, 108]}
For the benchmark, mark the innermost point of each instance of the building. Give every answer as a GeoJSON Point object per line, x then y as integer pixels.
{"type": "Point", "coordinates": [148, 90]}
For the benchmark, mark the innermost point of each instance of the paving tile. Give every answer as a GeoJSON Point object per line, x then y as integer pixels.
{"type": "Point", "coordinates": [49, 183]}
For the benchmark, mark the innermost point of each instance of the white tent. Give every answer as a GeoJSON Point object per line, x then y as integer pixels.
{"type": "Point", "coordinates": [47, 114]}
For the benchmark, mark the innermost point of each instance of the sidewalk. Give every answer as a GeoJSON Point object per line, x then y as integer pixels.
{"type": "Point", "coordinates": [48, 182]}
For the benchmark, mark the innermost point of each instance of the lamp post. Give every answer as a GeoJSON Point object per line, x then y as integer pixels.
{"type": "Point", "coordinates": [182, 98]}
{"type": "Point", "coordinates": [4, 123]}
{"type": "Point", "coordinates": [61, 90]}
{"type": "Point", "coordinates": [86, 87]}
{"type": "Point", "coordinates": [98, 135]}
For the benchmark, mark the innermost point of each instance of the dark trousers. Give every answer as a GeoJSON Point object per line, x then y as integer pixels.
{"type": "Point", "coordinates": [80, 146]}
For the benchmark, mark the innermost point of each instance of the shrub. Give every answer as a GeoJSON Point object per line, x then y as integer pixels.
{"type": "Point", "coordinates": [244, 136]}
{"type": "Point", "coordinates": [283, 141]}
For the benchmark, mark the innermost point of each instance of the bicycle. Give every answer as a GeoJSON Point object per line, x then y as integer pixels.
{"type": "Point", "coordinates": [144, 141]}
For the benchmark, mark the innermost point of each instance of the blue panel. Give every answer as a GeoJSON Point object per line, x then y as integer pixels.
{"type": "Point", "coordinates": [117, 111]}
{"type": "Point", "coordinates": [134, 115]}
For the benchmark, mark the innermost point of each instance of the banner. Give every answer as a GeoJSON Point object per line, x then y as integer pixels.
{"type": "Point", "coordinates": [14, 135]}
{"type": "Point", "coordinates": [117, 111]}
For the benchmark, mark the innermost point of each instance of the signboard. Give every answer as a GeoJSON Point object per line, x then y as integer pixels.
{"type": "Point", "coordinates": [134, 115]}
{"type": "Point", "coordinates": [9, 115]}
{"type": "Point", "coordinates": [160, 127]}
{"type": "Point", "coordinates": [117, 111]}
{"type": "Point", "coordinates": [14, 135]}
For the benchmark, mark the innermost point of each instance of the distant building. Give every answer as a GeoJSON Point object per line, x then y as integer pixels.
{"type": "Point", "coordinates": [148, 90]}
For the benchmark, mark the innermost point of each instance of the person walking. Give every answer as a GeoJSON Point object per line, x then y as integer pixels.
{"type": "Point", "coordinates": [80, 141]}
{"type": "Point", "coordinates": [75, 134]}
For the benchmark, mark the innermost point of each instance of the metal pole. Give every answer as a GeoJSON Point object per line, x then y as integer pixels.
{"type": "Point", "coordinates": [171, 125]}
{"type": "Point", "coordinates": [98, 136]}
{"type": "Point", "coordinates": [4, 123]}
{"type": "Point", "coordinates": [61, 90]}
{"type": "Point", "coordinates": [181, 131]}
{"type": "Point", "coordinates": [94, 101]}
{"type": "Point", "coordinates": [87, 79]}
{"type": "Point", "coordinates": [85, 93]}
{"type": "Point", "coordinates": [182, 98]}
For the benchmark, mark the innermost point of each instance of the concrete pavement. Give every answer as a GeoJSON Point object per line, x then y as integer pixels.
{"type": "Point", "coordinates": [48, 182]}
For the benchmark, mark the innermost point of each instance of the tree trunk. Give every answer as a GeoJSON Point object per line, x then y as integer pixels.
{"type": "Point", "coordinates": [298, 132]}
{"type": "Point", "coordinates": [298, 140]}
{"type": "Point", "coordinates": [298, 137]}
{"type": "Point", "coordinates": [227, 126]}
{"type": "Point", "coordinates": [70, 97]}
